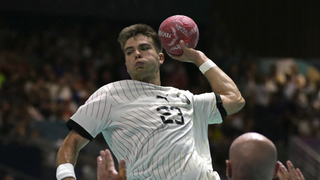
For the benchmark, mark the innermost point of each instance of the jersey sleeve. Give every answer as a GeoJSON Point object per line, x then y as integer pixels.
{"type": "Point", "coordinates": [209, 107]}
{"type": "Point", "coordinates": [92, 117]}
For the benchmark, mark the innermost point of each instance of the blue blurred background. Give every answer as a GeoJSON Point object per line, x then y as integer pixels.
{"type": "Point", "coordinates": [54, 54]}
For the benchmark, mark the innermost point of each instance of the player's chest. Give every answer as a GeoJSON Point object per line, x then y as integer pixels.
{"type": "Point", "coordinates": [152, 112]}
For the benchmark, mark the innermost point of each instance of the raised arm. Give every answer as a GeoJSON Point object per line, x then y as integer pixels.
{"type": "Point", "coordinates": [68, 154]}
{"type": "Point", "coordinates": [220, 82]}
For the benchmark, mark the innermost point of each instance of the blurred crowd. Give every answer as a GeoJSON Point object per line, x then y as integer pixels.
{"type": "Point", "coordinates": [48, 68]}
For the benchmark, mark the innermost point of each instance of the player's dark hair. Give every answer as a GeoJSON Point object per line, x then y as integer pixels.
{"type": "Point", "coordinates": [139, 29]}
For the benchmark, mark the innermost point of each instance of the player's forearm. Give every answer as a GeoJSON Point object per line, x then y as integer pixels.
{"type": "Point", "coordinates": [67, 155]}
{"type": "Point", "coordinates": [222, 84]}
{"type": "Point", "coordinates": [70, 148]}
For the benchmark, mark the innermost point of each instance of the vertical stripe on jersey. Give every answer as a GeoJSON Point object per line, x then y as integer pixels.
{"type": "Point", "coordinates": [148, 114]}
{"type": "Point", "coordinates": [133, 122]}
{"type": "Point", "coordinates": [130, 139]}
{"type": "Point", "coordinates": [175, 160]}
{"type": "Point", "coordinates": [123, 90]}
{"type": "Point", "coordinates": [117, 91]}
{"type": "Point", "coordinates": [99, 105]}
{"type": "Point", "coordinates": [126, 124]}
{"type": "Point", "coordinates": [93, 107]}
{"type": "Point", "coordinates": [104, 109]}
{"type": "Point", "coordinates": [142, 133]}
{"type": "Point", "coordinates": [112, 95]}
{"type": "Point", "coordinates": [203, 129]}
{"type": "Point", "coordinates": [151, 90]}
{"type": "Point", "coordinates": [134, 82]}
{"type": "Point", "coordinates": [119, 136]}
{"type": "Point", "coordinates": [130, 90]}
{"type": "Point", "coordinates": [148, 127]}
{"type": "Point", "coordinates": [164, 172]}
{"type": "Point", "coordinates": [93, 104]}
{"type": "Point", "coordinates": [158, 168]}
{"type": "Point", "coordinates": [119, 148]}
{"type": "Point", "coordinates": [203, 148]}
{"type": "Point", "coordinates": [88, 105]}
{"type": "Point", "coordinates": [169, 166]}
{"type": "Point", "coordinates": [143, 89]}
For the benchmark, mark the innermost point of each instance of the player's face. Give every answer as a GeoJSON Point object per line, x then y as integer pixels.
{"type": "Point", "coordinates": [142, 60]}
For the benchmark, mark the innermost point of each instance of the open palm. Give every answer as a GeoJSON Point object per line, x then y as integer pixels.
{"type": "Point", "coordinates": [106, 169]}
{"type": "Point", "coordinates": [292, 174]}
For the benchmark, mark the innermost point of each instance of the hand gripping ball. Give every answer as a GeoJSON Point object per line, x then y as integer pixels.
{"type": "Point", "coordinates": [175, 28]}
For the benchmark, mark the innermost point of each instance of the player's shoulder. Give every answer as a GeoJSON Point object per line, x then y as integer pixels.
{"type": "Point", "coordinates": [122, 85]}
{"type": "Point", "coordinates": [137, 86]}
{"type": "Point", "coordinates": [133, 85]}
{"type": "Point", "coordinates": [116, 85]}
{"type": "Point", "coordinates": [125, 86]}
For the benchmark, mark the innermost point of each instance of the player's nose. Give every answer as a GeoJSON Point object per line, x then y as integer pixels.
{"type": "Point", "coordinates": [137, 54]}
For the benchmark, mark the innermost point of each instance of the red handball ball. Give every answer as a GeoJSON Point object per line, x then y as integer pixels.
{"type": "Point", "coordinates": [175, 28]}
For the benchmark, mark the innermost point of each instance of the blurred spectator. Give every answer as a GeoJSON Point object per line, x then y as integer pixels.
{"type": "Point", "coordinates": [8, 177]}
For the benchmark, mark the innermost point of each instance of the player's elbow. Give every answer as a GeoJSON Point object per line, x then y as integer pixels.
{"type": "Point", "coordinates": [236, 103]}
{"type": "Point", "coordinates": [240, 103]}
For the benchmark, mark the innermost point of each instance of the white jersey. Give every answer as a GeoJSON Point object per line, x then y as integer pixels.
{"type": "Point", "coordinates": [161, 132]}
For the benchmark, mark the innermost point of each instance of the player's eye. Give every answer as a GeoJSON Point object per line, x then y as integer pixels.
{"type": "Point", "coordinates": [128, 53]}
{"type": "Point", "coordinates": [144, 48]}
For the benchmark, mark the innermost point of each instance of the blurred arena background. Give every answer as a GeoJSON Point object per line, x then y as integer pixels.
{"type": "Point", "coordinates": [54, 54]}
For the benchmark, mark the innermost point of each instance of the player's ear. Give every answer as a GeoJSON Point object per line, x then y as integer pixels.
{"type": "Point", "coordinates": [161, 58]}
{"type": "Point", "coordinates": [229, 169]}
{"type": "Point", "coordinates": [276, 169]}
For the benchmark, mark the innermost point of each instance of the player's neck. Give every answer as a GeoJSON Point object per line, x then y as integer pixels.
{"type": "Point", "coordinates": [150, 79]}
{"type": "Point", "coordinates": [158, 82]}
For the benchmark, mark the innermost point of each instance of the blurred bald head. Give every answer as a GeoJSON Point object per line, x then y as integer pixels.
{"type": "Point", "coordinates": [252, 156]}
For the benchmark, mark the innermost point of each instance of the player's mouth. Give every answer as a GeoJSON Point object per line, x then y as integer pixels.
{"type": "Point", "coordinates": [139, 64]}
